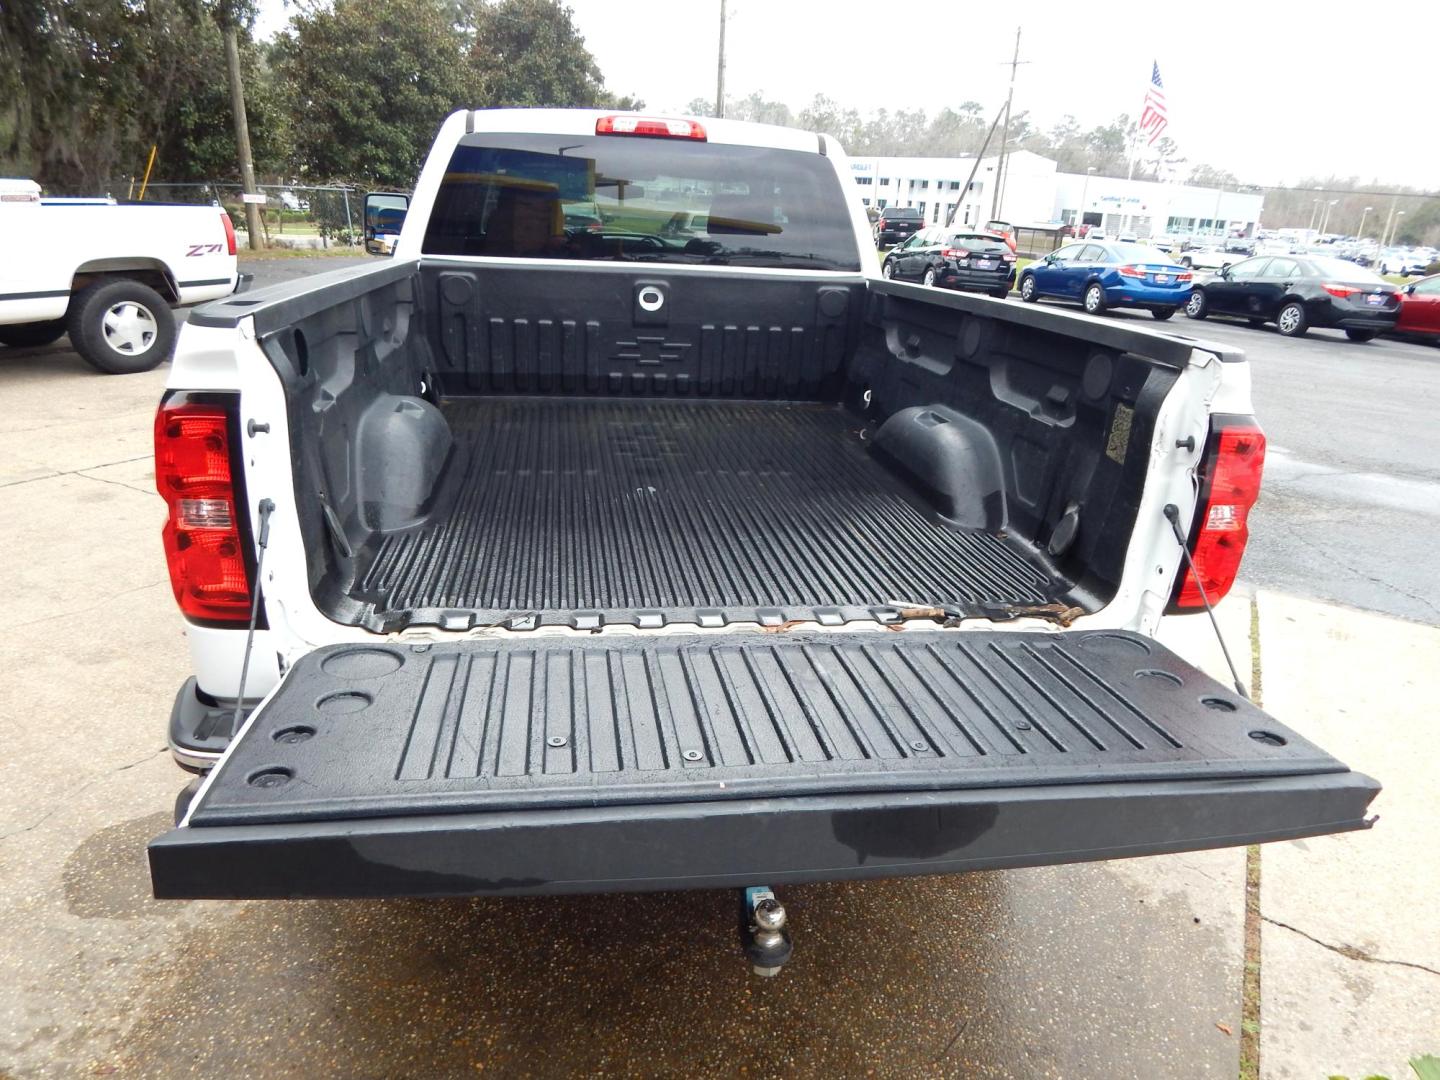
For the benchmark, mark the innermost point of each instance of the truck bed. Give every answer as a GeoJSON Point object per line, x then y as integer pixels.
{"type": "Point", "coordinates": [573, 504]}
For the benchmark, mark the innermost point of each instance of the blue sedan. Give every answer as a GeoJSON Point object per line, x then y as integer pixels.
{"type": "Point", "coordinates": [1104, 275]}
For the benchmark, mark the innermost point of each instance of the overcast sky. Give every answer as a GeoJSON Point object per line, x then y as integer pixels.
{"type": "Point", "coordinates": [1271, 91]}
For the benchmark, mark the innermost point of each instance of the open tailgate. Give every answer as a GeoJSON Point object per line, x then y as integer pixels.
{"type": "Point", "coordinates": [544, 765]}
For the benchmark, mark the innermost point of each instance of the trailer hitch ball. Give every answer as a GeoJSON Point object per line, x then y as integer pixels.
{"type": "Point", "coordinates": [769, 915]}
{"type": "Point", "coordinates": [762, 924]}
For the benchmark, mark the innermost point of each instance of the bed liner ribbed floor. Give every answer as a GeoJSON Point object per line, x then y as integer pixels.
{"type": "Point", "coordinates": [568, 505]}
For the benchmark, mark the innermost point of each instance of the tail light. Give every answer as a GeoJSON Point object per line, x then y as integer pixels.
{"type": "Point", "coordinates": [203, 543]}
{"type": "Point", "coordinates": [1131, 271]}
{"type": "Point", "coordinates": [1341, 291]}
{"type": "Point", "coordinates": [1229, 486]}
{"type": "Point", "coordinates": [653, 126]}
{"type": "Point", "coordinates": [954, 253]}
{"type": "Point", "coordinates": [1009, 256]}
{"type": "Point", "coordinates": [1184, 276]}
{"type": "Point", "coordinates": [229, 233]}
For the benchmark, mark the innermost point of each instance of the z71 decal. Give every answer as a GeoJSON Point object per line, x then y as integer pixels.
{"type": "Point", "coordinates": [204, 249]}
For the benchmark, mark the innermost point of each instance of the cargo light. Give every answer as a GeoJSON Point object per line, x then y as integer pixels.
{"type": "Point", "coordinates": [203, 546]}
{"type": "Point", "coordinates": [652, 126]}
{"type": "Point", "coordinates": [1229, 486]}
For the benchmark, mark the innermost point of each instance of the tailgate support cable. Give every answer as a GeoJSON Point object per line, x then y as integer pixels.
{"type": "Point", "coordinates": [267, 507]}
{"type": "Point", "coordinates": [1172, 515]}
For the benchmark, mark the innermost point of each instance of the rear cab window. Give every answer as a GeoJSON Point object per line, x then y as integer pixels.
{"type": "Point", "coordinates": [631, 199]}
{"type": "Point", "coordinates": [979, 243]}
{"type": "Point", "coordinates": [902, 213]}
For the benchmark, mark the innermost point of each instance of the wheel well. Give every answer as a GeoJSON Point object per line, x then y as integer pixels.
{"type": "Point", "coordinates": [150, 272]}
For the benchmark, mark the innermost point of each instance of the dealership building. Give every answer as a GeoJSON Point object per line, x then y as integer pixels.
{"type": "Point", "coordinates": [1033, 192]}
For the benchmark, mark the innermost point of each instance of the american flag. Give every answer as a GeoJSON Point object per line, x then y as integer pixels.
{"type": "Point", "coordinates": [1153, 120]}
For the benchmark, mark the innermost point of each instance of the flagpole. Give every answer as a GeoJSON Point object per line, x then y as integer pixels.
{"type": "Point", "coordinates": [1130, 176]}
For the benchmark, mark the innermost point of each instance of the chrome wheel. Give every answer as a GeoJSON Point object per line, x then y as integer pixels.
{"type": "Point", "coordinates": [1027, 289]}
{"type": "Point", "coordinates": [930, 276]}
{"type": "Point", "coordinates": [1291, 318]}
{"type": "Point", "coordinates": [129, 328]}
{"type": "Point", "coordinates": [1195, 306]}
{"type": "Point", "coordinates": [887, 269]}
{"type": "Point", "coordinates": [1094, 299]}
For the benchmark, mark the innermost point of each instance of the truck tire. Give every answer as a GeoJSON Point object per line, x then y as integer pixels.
{"type": "Point", "coordinates": [121, 327]}
{"type": "Point", "coordinates": [30, 334]}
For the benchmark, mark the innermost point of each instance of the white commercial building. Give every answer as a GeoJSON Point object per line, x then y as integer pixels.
{"type": "Point", "coordinates": [1032, 192]}
{"type": "Point", "coordinates": [1149, 208]}
{"type": "Point", "coordinates": [934, 186]}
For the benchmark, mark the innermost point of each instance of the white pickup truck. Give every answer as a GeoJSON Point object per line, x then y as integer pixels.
{"type": "Point", "coordinates": [545, 558]}
{"type": "Point", "coordinates": [107, 274]}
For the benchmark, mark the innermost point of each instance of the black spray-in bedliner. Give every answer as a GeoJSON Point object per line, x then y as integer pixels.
{"type": "Point", "coordinates": [610, 506]}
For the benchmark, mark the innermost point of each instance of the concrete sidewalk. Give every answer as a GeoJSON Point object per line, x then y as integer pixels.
{"type": "Point", "coordinates": [1350, 931]}
{"type": "Point", "coordinates": [1351, 935]}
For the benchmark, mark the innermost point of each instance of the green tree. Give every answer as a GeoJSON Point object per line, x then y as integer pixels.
{"type": "Point", "coordinates": [87, 88]}
{"type": "Point", "coordinates": [529, 53]}
{"type": "Point", "coordinates": [367, 83]}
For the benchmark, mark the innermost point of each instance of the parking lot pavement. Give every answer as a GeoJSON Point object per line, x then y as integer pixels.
{"type": "Point", "coordinates": [1119, 969]}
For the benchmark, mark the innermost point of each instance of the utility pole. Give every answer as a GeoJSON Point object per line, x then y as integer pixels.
{"type": "Point", "coordinates": [973, 169]}
{"type": "Point", "coordinates": [720, 68]}
{"type": "Point", "coordinates": [1005, 132]}
{"type": "Point", "coordinates": [242, 125]}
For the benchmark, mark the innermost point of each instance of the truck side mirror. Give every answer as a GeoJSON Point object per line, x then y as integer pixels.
{"type": "Point", "coordinates": [384, 216]}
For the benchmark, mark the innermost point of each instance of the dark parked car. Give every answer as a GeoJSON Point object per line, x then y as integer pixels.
{"type": "Point", "coordinates": [954, 260]}
{"type": "Point", "coordinates": [897, 223]}
{"type": "Point", "coordinates": [1296, 292]}
{"type": "Point", "coordinates": [1109, 274]}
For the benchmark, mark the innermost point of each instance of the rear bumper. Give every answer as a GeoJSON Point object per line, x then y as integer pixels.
{"type": "Point", "coordinates": [735, 843]}
{"type": "Point", "coordinates": [1146, 296]}
{"type": "Point", "coordinates": [981, 280]}
{"type": "Point", "coordinates": [1378, 322]}
{"type": "Point", "coordinates": [1341, 315]}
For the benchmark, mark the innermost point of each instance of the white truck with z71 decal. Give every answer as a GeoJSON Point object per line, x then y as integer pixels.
{"type": "Point", "coordinates": [564, 551]}
{"type": "Point", "coordinates": [107, 274]}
